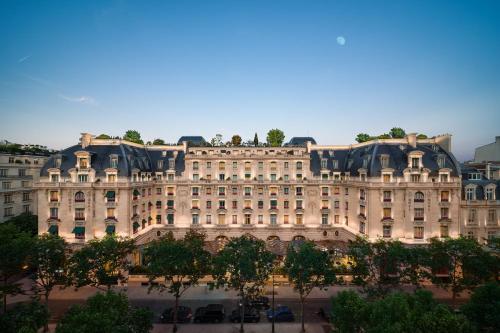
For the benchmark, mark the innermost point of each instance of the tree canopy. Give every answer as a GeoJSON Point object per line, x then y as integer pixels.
{"type": "Point", "coordinates": [109, 312]}
{"type": "Point", "coordinates": [133, 136]}
{"type": "Point", "coordinates": [483, 308]}
{"type": "Point", "coordinates": [103, 136]}
{"type": "Point", "coordinates": [236, 140]}
{"type": "Point", "coordinates": [25, 222]}
{"type": "Point", "coordinates": [255, 140]}
{"type": "Point", "coordinates": [363, 137]}
{"type": "Point", "coordinates": [24, 318]}
{"type": "Point", "coordinates": [275, 137]}
{"type": "Point", "coordinates": [158, 142]}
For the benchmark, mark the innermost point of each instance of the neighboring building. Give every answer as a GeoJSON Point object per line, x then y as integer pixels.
{"type": "Point", "coordinates": [18, 172]}
{"type": "Point", "coordinates": [488, 153]}
{"type": "Point", "coordinates": [405, 189]}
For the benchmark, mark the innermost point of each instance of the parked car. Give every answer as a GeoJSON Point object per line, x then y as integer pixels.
{"type": "Point", "coordinates": [251, 315]}
{"type": "Point", "coordinates": [259, 302]}
{"type": "Point", "coordinates": [184, 315]}
{"type": "Point", "coordinates": [212, 313]}
{"type": "Point", "coordinates": [281, 313]}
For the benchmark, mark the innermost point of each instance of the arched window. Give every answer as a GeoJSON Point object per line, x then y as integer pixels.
{"type": "Point", "coordinates": [419, 197]}
{"type": "Point", "coordinates": [79, 197]}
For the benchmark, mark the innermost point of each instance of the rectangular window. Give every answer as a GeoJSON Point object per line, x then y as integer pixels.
{"type": "Point", "coordinates": [196, 219]}
{"type": "Point", "coordinates": [274, 204]}
{"type": "Point", "coordinates": [235, 165]}
{"type": "Point", "coordinates": [336, 204]}
{"type": "Point", "coordinates": [7, 199]}
{"type": "Point", "coordinates": [324, 191]}
{"type": "Point", "coordinates": [336, 219]}
{"type": "Point", "coordinates": [472, 215]}
{"type": "Point", "coordinates": [248, 191]}
{"type": "Point", "coordinates": [298, 176]}
{"type": "Point", "coordinates": [418, 232]}
{"type": "Point", "coordinates": [222, 191]}
{"type": "Point", "coordinates": [273, 219]}
{"type": "Point", "coordinates": [234, 177]}
{"type": "Point", "coordinates": [222, 204]}
{"type": "Point", "coordinates": [209, 219]}
{"type": "Point", "coordinates": [445, 196]}
{"type": "Point", "coordinates": [387, 213]}
{"type": "Point", "coordinates": [235, 204]}
{"type": "Point", "coordinates": [7, 212]}
{"type": "Point", "coordinates": [286, 204]}
{"type": "Point", "coordinates": [387, 231]}
{"type": "Point", "coordinates": [54, 212]}
{"type": "Point", "coordinates": [387, 196]}
{"type": "Point", "coordinates": [444, 212]}
{"type": "Point", "coordinates": [248, 219]}
{"type": "Point", "coordinates": [235, 219]}
{"type": "Point", "coordinates": [196, 177]}
{"type": "Point", "coordinates": [415, 162]}
{"type": "Point", "coordinates": [80, 214]}
{"type": "Point", "coordinates": [443, 178]}
{"type": "Point", "coordinates": [490, 194]}
{"type": "Point", "coordinates": [362, 227]}
{"type": "Point", "coordinates": [324, 162]}
{"type": "Point", "coordinates": [415, 178]}
{"type": "Point", "coordinates": [221, 219]}
{"type": "Point", "coordinates": [82, 178]}
{"type": "Point", "coordinates": [22, 172]}
{"type": "Point", "coordinates": [26, 209]}
{"type": "Point", "coordinates": [324, 219]}
{"type": "Point", "coordinates": [286, 190]}
{"type": "Point", "coordinates": [260, 204]}
{"type": "Point", "coordinates": [386, 178]}
{"type": "Point", "coordinates": [285, 165]}
{"type": "Point", "coordinates": [298, 191]}
{"type": "Point", "coordinates": [492, 216]}
{"type": "Point", "coordinates": [170, 204]}
{"type": "Point", "coordinates": [3, 172]}
{"type": "Point", "coordinates": [209, 165]}
{"type": "Point", "coordinates": [54, 196]}
{"type": "Point", "coordinates": [286, 178]}
{"type": "Point", "coordinates": [209, 204]}
{"type": "Point", "coordinates": [469, 194]}
{"type": "Point", "coordinates": [195, 191]}
{"type": "Point", "coordinates": [260, 219]}
{"type": "Point", "coordinates": [196, 166]}
{"type": "Point", "coordinates": [195, 204]}
{"type": "Point", "coordinates": [286, 219]}
{"type": "Point", "coordinates": [324, 204]}
{"type": "Point", "coordinates": [110, 213]}
{"type": "Point", "coordinates": [443, 229]}
{"type": "Point", "coordinates": [336, 190]}
{"type": "Point", "coordinates": [298, 204]}
{"type": "Point", "coordinates": [419, 214]}
{"type": "Point", "coordinates": [298, 219]}
{"type": "Point", "coordinates": [170, 218]}
{"type": "Point", "coordinates": [6, 185]}
{"type": "Point", "coordinates": [222, 176]}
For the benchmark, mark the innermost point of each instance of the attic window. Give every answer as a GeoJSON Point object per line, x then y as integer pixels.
{"type": "Point", "coordinates": [164, 153]}
{"type": "Point", "coordinates": [475, 176]}
{"type": "Point", "coordinates": [171, 163]}
{"type": "Point", "coordinates": [365, 162]}
{"type": "Point", "coordinates": [384, 161]}
{"type": "Point", "coordinates": [324, 162]}
{"type": "Point", "coordinates": [331, 152]}
{"type": "Point", "coordinates": [435, 148]}
{"type": "Point", "coordinates": [349, 163]}
{"type": "Point", "coordinates": [335, 164]}
{"type": "Point", "coordinates": [441, 159]}
{"type": "Point", "coordinates": [57, 162]}
{"type": "Point", "coordinates": [159, 164]}
{"type": "Point", "coordinates": [113, 161]}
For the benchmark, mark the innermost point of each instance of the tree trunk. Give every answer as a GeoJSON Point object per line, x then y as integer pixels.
{"type": "Point", "coordinates": [176, 306]}
{"type": "Point", "coordinates": [46, 326]}
{"type": "Point", "coordinates": [302, 314]}
{"type": "Point", "coordinates": [4, 295]}
{"type": "Point", "coordinates": [242, 312]}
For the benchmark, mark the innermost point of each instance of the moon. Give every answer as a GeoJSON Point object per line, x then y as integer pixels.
{"type": "Point", "coordinates": [341, 40]}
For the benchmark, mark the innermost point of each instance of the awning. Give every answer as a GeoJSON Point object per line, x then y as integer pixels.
{"type": "Point", "coordinates": [79, 230]}
{"type": "Point", "coordinates": [136, 192]}
{"type": "Point", "coordinates": [110, 229]}
{"type": "Point", "coordinates": [110, 194]}
{"type": "Point", "coordinates": [53, 229]}
{"type": "Point", "coordinates": [136, 225]}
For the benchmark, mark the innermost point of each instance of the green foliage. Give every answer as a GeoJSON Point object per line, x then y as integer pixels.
{"type": "Point", "coordinates": [216, 141]}
{"type": "Point", "coordinates": [109, 312]}
{"type": "Point", "coordinates": [244, 265]}
{"type": "Point", "coordinates": [255, 140]}
{"type": "Point", "coordinates": [275, 137]}
{"type": "Point", "coordinates": [158, 142]}
{"type": "Point", "coordinates": [384, 136]}
{"type": "Point", "coordinates": [236, 140]}
{"type": "Point", "coordinates": [398, 312]}
{"type": "Point", "coordinates": [363, 137]}
{"type": "Point", "coordinates": [347, 312]}
{"type": "Point", "coordinates": [25, 222]}
{"type": "Point", "coordinates": [421, 136]}
{"type": "Point", "coordinates": [307, 268]}
{"type": "Point", "coordinates": [179, 264]}
{"type": "Point", "coordinates": [483, 308]}
{"type": "Point", "coordinates": [463, 261]}
{"type": "Point", "coordinates": [133, 136]}
{"type": "Point", "coordinates": [103, 136]}
{"type": "Point", "coordinates": [48, 262]}
{"type": "Point", "coordinates": [397, 133]}
{"type": "Point", "coordinates": [100, 262]}
{"type": "Point", "coordinates": [24, 317]}
{"type": "Point", "coordinates": [14, 249]}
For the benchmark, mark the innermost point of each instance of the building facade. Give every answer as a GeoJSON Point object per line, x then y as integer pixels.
{"type": "Point", "coordinates": [404, 189]}
{"type": "Point", "coordinates": [18, 172]}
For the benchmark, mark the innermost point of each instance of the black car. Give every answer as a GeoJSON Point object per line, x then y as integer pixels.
{"type": "Point", "coordinates": [184, 315]}
{"type": "Point", "coordinates": [212, 313]}
{"type": "Point", "coordinates": [259, 302]}
{"type": "Point", "coordinates": [282, 313]}
{"type": "Point", "coordinates": [251, 315]}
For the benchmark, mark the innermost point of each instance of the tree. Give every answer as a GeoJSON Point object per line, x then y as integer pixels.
{"type": "Point", "coordinates": [25, 222]}
{"type": "Point", "coordinates": [421, 136]}
{"type": "Point", "coordinates": [363, 137]}
{"type": "Point", "coordinates": [376, 266]}
{"type": "Point", "coordinates": [275, 137]}
{"type": "Point", "coordinates": [100, 262]}
{"type": "Point", "coordinates": [48, 260]}
{"type": "Point", "coordinates": [103, 136]}
{"type": "Point", "coordinates": [384, 136]}
{"type": "Point", "coordinates": [244, 265]}
{"type": "Point", "coordinates": [133, 136]}
{"type": "Point", "coordinates": [461, 260]}
{"type": "Point", "coordinates": [483, 308]}
{"type": "Point", "coordinates": [24, 318]}
{"type": "Point", "coordinates": [307, 268]}
{"type": "Point", "coordinates": [397, 133]}
{"type": "Point", "coordinates": [180, 264]}
{"type": "Point", "coordinates": [255, 140]}
{"type": "Point", "coordinates": [236, 140]}
{"type": "Point", "coordinates": [14, 249]}
{"type": "Point", "coordinates": [216, 141]}
{"type": "Point", "coordinates": [413, 265]}
{"type": "Point", "coordinates": [109, 312]}
{"type": "Point", "coordinates": [347, 312]}
{"type": "Point", "coordinates": [158, 142]}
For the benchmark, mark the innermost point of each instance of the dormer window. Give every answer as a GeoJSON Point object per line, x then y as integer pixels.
{"type": "Point", "coordinates": [111, 177]}
{"type": "Point", "coordinates": [443, 177]}
{"type": "Point", "coordinates": [441, 159]}
{"type": "Point", "coordinates": [324, 162]}
{"type": "Point", "coordinates": [83, 162]}
{"type": "Point", "coordinates": [335, 164]}
{"type": "Point", "coordinates": [57, 162]}
{"type": "Point", "coordinates": [365, 163]}
{"type": "Point", "coordinates": [113, 161]}
{"type": "Point", "coordinates": [475, 176]}
{"type": "Point", "coordinates": [384, 161]}
{"type": "Point", "coordinates": [490, 193]}
{"type": "Point", "coordinates": [54, 177]}
{"type": "Point", "coordinates": [171, 163]}
{"type": "Point", "coordinates": [415, 162]}
{"type": "Point", "coordinates": [470, 194]}
{"type": "Point", "coordinates": [159, 164]}
{"type": "Point", "coordinates": [83, 178]}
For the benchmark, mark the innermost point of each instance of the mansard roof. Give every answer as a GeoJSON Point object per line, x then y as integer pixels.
{"type": "Point", "coordinates": [300, 141]}
{"type": "Point", "coordinates": [192, 140]}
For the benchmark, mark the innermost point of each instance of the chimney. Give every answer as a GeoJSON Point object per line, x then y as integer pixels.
{"type": "Point", "coordinates": [497, 138]}
{"type": "Point", "coordinates": [85, 139]}
{"type": "Point", "coordinates": [444, 141]}
{"type": "Point", "coordinates": [412, 139]}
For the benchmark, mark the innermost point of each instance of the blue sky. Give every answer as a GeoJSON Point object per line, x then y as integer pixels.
{"type": "Point", "coordinates": [172, 68]}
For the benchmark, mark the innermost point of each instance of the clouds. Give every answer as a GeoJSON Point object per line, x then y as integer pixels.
{"type": "Point", "coordinates": [79, 99]}
{"type": "Point", "coordinates": [23, 59]}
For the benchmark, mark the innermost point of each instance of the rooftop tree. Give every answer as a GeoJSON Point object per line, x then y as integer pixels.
{"type": "Point", "coordinates": [236, 140]}
{"type": "Point", "coordinates": [133, 136]}
{"type": "Point", "coordinates": [275, 137]}
{"type": "Point", "coordinates": [178, 264]}
{"type": "Point", "coordinates": [362, 137]}
{"type": "Point", "coordinates": [103, 136]}
{"type": "Point", "coordinates": [255, 140]}
{"type": "Point", "coordinates": [158, 142]}
{"type": "Point", "coordinates": [244, 265]}
{"type": "Point", "coordinates": [101, 262]}
{"type": "Point", "coordinates": [397, 133]}
{"type": "Point", "coordinates": [307, 268]}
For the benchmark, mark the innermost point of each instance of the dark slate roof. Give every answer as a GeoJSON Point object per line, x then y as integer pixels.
{"type": "Point", "coordinates": [300, 141]}
{"type": "Point", "coordinates": [351, 160]}
{"type": "Point", "coordinates": [480, 187]}
{"type": "Point", "coordinates": [192, 140]}
{"type": "Point", "coordinates": [129, 158]}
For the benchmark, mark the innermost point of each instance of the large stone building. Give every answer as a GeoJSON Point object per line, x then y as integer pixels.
{"type": "Point", "coordinates": [405, 189]}
{"type": "Point", "coordinates": [18, 172]}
